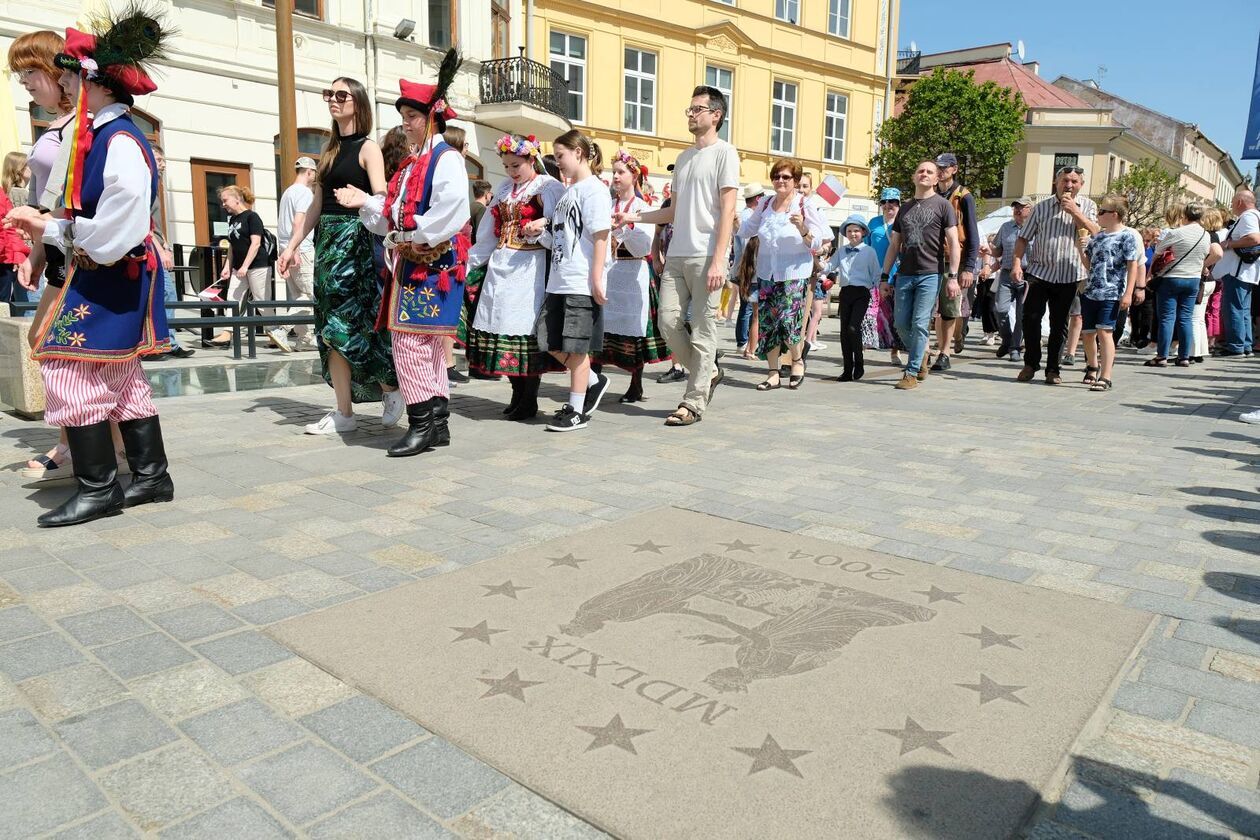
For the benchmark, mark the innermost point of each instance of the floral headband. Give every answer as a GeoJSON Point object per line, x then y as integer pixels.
{"type": "Point", "coordinates": [527, 147]}
{"type": "Point", "coordinates": [628, 160]}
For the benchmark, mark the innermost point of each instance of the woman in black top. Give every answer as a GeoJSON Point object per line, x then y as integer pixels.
{"type": "Point", "coordinates": [247, 265]}
{"type": "Point", "coordinates": [355, 355]}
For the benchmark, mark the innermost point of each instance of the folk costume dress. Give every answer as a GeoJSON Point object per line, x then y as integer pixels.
{"type": "Point", "coordinates": [631, 338]}
{"type": "Point", "coordinates": [109, 313]}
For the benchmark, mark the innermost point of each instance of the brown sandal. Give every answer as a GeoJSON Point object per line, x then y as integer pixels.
{"type": "Point", "coordinates": [682, 416]}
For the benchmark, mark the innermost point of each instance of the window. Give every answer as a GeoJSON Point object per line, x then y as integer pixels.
{"type": "Point", "coordinates": [310, 8]}
{"type": "Point", "coordinates": [783, 119]}
{"type": "Point", "coordinates": [723, 80]}
{"type": "Point", "coordinates": [568, 59]}
{"type": "Point", "coordinates": [476, 171]}
{"type": "Point", "coordinates": [789, 10]}
{"type": "Point", "coordinates": [1064, 159]}
{"type": "Point", "coordinates": [441, 24]}
{"type": "Point", "coordinates": [838, 18]}
{"type": "Point", "coordinates": [640, 91]}
{"type": "Point", "coordinates": [501, 26]}
{"type": "Point", "coordinates": [833, 127]}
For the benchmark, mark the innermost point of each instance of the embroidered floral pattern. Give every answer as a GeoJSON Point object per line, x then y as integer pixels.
{"type": "Point", "coordinates": [60, 334]}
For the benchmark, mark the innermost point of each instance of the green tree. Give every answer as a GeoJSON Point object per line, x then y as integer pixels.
{"type": "Point", "coordinates": [948, 112]}
{"type": "Point", "coordinates": [1150, 189]}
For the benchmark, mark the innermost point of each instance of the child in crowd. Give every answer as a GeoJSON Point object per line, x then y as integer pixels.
{"type": "Point", "coordinates": [1112, 258]}
{"type": "Point", "coordinates": [857, 268]}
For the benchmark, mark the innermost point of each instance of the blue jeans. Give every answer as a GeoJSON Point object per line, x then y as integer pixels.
{"type": "Point", "coordinates": [1236, 315]}
{"type": "Point", "coordinates": [912, 311]}
{"type": "Point", "coordinates": [743, 322]}
{"type": "Point", "coordinates": [1175, 305]}
{"type": "Point", "coordinates": [168, 293]}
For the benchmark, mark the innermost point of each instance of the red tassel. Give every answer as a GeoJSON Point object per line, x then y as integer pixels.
{"type": "Point", "coordinates": [419, 272]}
{"type": "Point", "coordinates": [444, 281]}
{"type": "Point", "coordinates": [133, 270]}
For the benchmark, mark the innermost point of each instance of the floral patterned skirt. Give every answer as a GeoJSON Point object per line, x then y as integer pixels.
{"type": "Point", "coordinates": [877, 331]}
{"type": "Point", "coordinates": [886, 318]}
{"type": "Point", "coordinates": [472, 291]}
{"type": "Point", "coordinates": [780, 315]}
{"type": "Point", "coordinates": [631, 353]}
{"type": "Point", "coordinates": [347, 300]}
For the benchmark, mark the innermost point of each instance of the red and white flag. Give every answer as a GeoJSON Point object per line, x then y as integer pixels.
{"type": "Point", "coordinates": [831, 190]}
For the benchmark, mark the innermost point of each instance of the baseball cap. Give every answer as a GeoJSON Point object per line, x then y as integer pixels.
{"type": "Point", "coordinates": [1022, 201]}
{"type": "Point", "coordinates": [306, 163]}
{"type": "Point", "coordinates": [947, 159]}
{"type": "Point", "coordinates": [889, 194]}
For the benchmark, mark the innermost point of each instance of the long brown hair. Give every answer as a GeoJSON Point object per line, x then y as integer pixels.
{"type": "Point", "coordinates": [395, 147]}
{"type": "Point", "coordinates": [362, 125]}
{"type": "Point", "coordinates": [14, 170]}
{"type": "Point", "coordinates": [579, 142]}
{"type": "Point", "coordinates": [746, 271]}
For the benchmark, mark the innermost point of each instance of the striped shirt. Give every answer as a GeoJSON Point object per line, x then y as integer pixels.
{"type": "Point", "coordinates": [1052, 255]}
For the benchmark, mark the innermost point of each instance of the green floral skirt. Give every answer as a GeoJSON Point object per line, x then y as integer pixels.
{"type": "Point", "coordinates": [347, 300]}
{"type": "Point", "coordinates": [472, 291]}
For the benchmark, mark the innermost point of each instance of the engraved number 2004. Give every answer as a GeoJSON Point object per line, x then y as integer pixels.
{"type": "Point", "coordinates": [856, 567]}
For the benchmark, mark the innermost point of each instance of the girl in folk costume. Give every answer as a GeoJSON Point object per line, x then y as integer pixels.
{"type": "Point", "coordinates": [421, 216]}
{"type": "Point", "coordinates": [631, 339]}
{"type": "Point", "coordinates": [513, 251]}
{"type": "Point", "coordinates": [109, 312]}
{"type": "Point", "coordinates": [353, 349]}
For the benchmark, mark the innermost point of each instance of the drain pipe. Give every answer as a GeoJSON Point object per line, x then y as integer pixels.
{"type": "Point", "coordinates": [529, 29]}
{"type": "Point", "coordinates": [369, 52]}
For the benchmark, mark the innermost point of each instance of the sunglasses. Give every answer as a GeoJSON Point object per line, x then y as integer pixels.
{"type": "Point", "coordinates": [342, 96]}
{"type": "Point", "coordinates": [782, 176]}
{"type": "Point", "coordinates": [1076, 170]}
{"type": "Point", "coordinates": [1101, 212]}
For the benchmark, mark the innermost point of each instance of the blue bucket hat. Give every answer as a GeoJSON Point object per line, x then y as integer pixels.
{"type": "Point", "coordinates": [890, 194]}
{"type": "Point", "coordinates": [855, 219]}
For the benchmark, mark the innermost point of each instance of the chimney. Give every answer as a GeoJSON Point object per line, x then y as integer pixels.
{"type": "Point", "coordinates": [1035, 65]}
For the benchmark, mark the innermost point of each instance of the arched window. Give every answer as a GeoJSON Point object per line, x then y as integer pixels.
{"type": "Point", "coordinates": [476, 171]}
{"type": "Point", "coordinates": [310, 143]}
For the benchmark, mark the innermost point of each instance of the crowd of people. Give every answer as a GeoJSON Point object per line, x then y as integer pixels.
{"type": "Point", "coordinates": [556, 270]}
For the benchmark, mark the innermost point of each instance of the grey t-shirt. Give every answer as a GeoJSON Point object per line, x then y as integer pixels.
{"type": "Point", "coordinates": [921, 224]}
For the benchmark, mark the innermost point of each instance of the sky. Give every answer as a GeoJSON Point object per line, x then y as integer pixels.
{"type": "Point", "coordinates": [1187, 61]}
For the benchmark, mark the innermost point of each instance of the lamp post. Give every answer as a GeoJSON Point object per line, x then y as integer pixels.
{"type": "Point", "coordinates": [286, 91]}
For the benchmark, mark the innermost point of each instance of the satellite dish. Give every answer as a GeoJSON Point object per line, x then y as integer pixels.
{"type": "Point", "coordinates": [914, 47]}
{"type": "Point", "coordinates": [1019, 49]}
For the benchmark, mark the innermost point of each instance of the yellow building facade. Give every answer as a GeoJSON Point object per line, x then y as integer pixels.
{"type": "Point", "coordinates": [806, 78]}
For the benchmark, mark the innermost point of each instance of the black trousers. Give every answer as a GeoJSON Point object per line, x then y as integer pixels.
{"type": "Point", "coordinates": [1058, 297]}
{"type": "Point", "coordinates": [1142, 321]}
{"type": "Point", "coordinates": [854, 301]}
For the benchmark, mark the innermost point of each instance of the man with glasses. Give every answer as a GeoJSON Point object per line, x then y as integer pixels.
{"type": "Point", "coordinates": [1054, 267]}
{"type": "Point", "coordinates": [706, 179]}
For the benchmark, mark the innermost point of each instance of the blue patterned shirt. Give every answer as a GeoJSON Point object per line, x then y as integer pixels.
{"type": "Point", "coordinates": [1109, 257]}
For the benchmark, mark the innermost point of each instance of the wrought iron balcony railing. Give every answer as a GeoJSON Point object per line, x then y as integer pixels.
{"type": "Point", "coordinates": [523, 80]}
{"type": "Point", "coordinates": [908, 62]}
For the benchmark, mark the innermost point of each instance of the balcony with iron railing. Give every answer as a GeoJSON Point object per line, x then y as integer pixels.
{"type": "Point", "coordinates": [523, 81]}
{"type": "Point", "coordinates": [908, 62]}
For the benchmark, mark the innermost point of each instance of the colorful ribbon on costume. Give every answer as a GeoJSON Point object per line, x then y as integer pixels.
{"type": "Point", "coordinates": [79, 146]}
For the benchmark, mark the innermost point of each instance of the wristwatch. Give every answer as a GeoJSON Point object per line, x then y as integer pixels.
{"type": "Point", "coordinates": [951, 275]}
{"type": "Point", "coordinates": [884, 277]}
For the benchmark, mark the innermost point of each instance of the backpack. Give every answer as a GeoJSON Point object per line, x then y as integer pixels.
{"type": "Point", "coordinates": [955, 201]}
{"type": "Point", "coordinates": [269, 246]}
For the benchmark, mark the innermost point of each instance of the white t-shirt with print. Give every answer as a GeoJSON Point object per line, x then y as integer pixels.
{"type": "Point", "coordinates": [583, 211]}
{"type": "Point", "coordinates": [700, 175]}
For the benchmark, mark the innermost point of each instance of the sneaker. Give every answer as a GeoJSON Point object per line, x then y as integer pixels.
{"type": "Point", "coordinates": [567, 420]}
{"type": "Point", "coordinates": [305, 344]}
{"type": "Point", "coordinates": [392, 408]}
{"type": "Point", "coordinates": [941, 363]}
{"type": "Point", "coordinates": [334, 423]}
{"type": "Point", "coordinates": [895, 358]}
{"type": "Point", "coordinates": [595, 393]}
{"type": "Point", "coordinates": [672, 375]}
{"type": "Point", "coordinates": [454, 377]}
{"type": "Point", "coordinates": [280, 338]}
{"type": "Point", "coordinates": [989, 339]}
{"type": "Point", "coordinates": [818, 345]}
{"type": "Point", "coordinates": [1067, 361]}
{"type": "Point", "coordinates": [1251, 417]}
{"type": "Point", "coordinates": [907, 383]}
{"type": "Point", "coordinates": [1015, 356]}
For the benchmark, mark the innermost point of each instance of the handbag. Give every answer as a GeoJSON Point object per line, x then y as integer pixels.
{"type": "Point", "coordinates": [1161, 268]}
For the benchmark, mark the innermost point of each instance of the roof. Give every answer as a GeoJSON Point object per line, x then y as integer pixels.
{"type": "Point", "coordinates": [1037, 92]}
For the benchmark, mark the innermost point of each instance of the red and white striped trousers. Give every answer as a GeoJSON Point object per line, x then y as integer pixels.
{"type": "Point", "coordinates": [85, 393]}
{"type": "Point", "coordinates": [420, 362]}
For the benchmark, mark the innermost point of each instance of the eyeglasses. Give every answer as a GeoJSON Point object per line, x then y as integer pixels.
{"type": "Point", "coordinates": [342, 96]}
{"type": "Point", "coordinates": [696, 109]}
{"type": "Point", "coordinates": [1076, 170]}
{"type": "Point", "coordinates": [26, 72]}
{"type": "Point", "coordinates": [1100, 212]}
{"type": "Point", "coordinates": [782, 176]}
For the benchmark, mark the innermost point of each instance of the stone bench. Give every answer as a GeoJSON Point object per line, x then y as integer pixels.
{"type": "Point", "coordinates": [20, 383]}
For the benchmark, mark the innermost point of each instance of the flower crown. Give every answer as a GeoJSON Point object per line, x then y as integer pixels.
{"type": "Point", "coordinates": [527, 147]}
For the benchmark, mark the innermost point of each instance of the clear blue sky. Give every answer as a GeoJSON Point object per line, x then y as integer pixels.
{"type": "Point", "coordinates": [1202, 76]}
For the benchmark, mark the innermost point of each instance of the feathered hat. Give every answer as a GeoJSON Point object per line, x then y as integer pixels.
{"type": "Point", "coordinates": [431, 99]}
{"type": "Point", "coordinates": [116, 55]}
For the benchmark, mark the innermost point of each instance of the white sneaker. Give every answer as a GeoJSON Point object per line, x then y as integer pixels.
{"type": "Point", "coordinates": [280, 338]}
{"type": "Point", "coordinates": [392, 408]}
{"type": "Point", "coordinates": [333, 423]}
{"type": "Point", "coordinates": [818, 345]}
{"type": "Point", "coordinates": [305, 343]}
{"type": "Point", "coordinates": [989, 339]}
{"type": "Point", "coordinates": [1251, 417]}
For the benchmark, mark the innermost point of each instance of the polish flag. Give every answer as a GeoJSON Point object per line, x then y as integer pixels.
{"type": "Point", "coordinates": [831, 190]}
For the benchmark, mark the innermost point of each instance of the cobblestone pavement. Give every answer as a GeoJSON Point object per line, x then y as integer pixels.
{"type": "Point", "coordinates": [139, 695]}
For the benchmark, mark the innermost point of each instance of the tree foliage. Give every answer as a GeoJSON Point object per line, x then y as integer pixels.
{"type": "Point", "coordinates": [948, 112]}
{"type": "Point", "coordinates": [1150, 189]}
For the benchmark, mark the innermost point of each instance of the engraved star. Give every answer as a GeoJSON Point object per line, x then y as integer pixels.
{"type": "Point", "coordinates": [647, 546]}
{"type": "Point", "coordinates": [738, 545]}
{"type": "Point", "coordinates": [614, 734]}
{"type": "Point", "coordinates": [567, 560]}
{"type": "Point", "coordinates": [933, 595]}
{"type": "Point", "coordinates": [989, 638]}
{"type": "Point", "coordinates": [913, 736]}
{"type": "Point", "coordinates": [481, 632]}
{"type": "Point", "coordinates": [512, 686]}
{"type": "Point", "coordinates": [770, 754]}
{"type": "Point", "coordinates": [990, 690]}
{"type": "Point", "coordinates": [506, 588]}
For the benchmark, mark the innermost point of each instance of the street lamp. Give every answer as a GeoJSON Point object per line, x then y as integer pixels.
{"type": "Point", "coordinates": [403, 30]}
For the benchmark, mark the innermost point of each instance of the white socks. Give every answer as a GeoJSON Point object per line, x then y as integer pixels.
{"type": "Point", "coordinates": [591, 379]}
{"type": "Point", "coordinates": [577, 401]}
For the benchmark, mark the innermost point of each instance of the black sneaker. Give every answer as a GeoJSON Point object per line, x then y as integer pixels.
{"type": "Point", "coordinates": [567, 420]}
{"type": "Point", "coordinates": [941, 363]}
{"type": "Point", "coordinates": [672, 375]}
{"type": "Point", "coordinates": [454, 377]}
{"type": "Point", "coordinates": [488, 377]}
{"type": "Point", "coordinates": [594, 394]}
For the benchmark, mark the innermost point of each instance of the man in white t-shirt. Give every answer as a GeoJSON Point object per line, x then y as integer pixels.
{"type": "Point", "coordinates": [706, 179]}
{"type": "Point", "coordinates": [1239, 277]}
{"type": "Point", "coordinates": [294, 204]}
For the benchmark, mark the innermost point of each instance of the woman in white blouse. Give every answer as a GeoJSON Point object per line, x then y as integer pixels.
{"type": "Point", "coordinates": [790, 231]}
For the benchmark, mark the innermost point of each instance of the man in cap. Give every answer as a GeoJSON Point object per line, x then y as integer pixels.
{"type": "Point", "coordinates": [950, 326]}
{"type": "Point", "coordinates": [1008, 304]}
{"type": "Point", "coordinates": [300, 279]}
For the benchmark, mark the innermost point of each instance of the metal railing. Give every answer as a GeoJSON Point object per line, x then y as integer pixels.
{"type": "Point", "coordinates": [523, 80]}
{"type": "Point", "coordinates": [908, 62]}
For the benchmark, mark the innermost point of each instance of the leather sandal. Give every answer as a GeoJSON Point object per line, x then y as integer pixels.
{"type": "Point", "coordinates": [795, 380]}
{"type": "Point", "coordinates": [1090, 375]}
{"type": "Point", "coordinates": [767, 385]}
{"type": "Point", "coordinates": [1156, 362]}
{"type": "Point", "coordinates": [1101, 385]}
{"type": "Point", "coordinates": [682, 416]}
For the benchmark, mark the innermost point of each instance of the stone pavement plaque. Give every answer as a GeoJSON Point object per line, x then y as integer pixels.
{"type": "Point", "coordinates": [680, 675]}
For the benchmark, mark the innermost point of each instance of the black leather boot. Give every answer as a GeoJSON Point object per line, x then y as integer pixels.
{"type": "Point", "coordinates": [421, 433]}
{"type": "Point", "coordinates": [441, 416]}
{"type": "Point", "coordinates": [96, 470]}
{"type": "Point", "coordinates": [516, 382]}
{"type": "Point", "coordinates": [146, 455]}
{"type": "Point", "coordinates": [527, 408]}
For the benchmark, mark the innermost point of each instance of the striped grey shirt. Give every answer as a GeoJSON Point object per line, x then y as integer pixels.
{"type": "Point", "coordinates": [1051, 230]}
